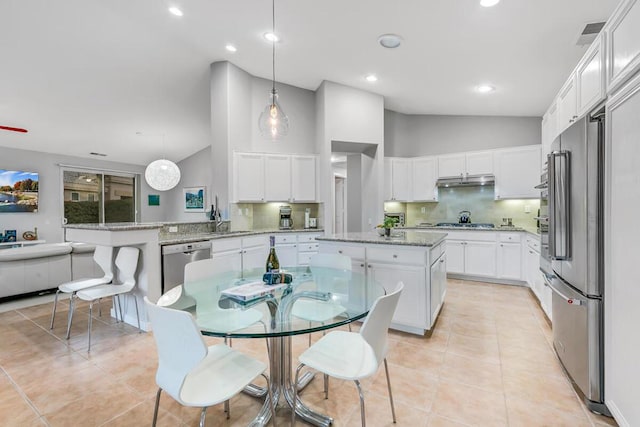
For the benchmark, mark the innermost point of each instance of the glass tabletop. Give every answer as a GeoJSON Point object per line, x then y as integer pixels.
{"type": "Point", "coordinates": [317, 299]}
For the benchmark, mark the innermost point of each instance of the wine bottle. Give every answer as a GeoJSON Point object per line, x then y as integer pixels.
{"type": "Point", "coordinates": [272, 260]}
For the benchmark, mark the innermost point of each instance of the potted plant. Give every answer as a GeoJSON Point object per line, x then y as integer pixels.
{"type": "Point", "coordinates": [387, 225]}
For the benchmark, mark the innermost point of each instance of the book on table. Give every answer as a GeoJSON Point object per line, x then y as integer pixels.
{"type": "Point", "coordinates": [252, 290]}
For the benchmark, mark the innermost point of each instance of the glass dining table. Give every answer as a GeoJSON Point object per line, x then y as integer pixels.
{"type": "Point", "coordinates": [317, 299]}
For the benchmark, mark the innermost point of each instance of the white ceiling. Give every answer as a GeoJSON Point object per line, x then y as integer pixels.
{"type": "Point", "coordinates": [86, 75]}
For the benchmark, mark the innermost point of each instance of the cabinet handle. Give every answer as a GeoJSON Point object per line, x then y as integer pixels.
{"type": "Point", "coordinates": [441, 260]}
{"type": "Point", "coordinates": [501, 245]}
{"type": "Point", "coordinates": [361, 265]}
{"type": "Point", "coordinates": [339, 252]}
{"type": "Point", "coordinates": [395, 256]}
{"type": "Point", "coordinates": [369, 265]}
{"type": "Point", "coordinates": [575, 117]}
{"type": "Point", "coordinates": [531, 252]}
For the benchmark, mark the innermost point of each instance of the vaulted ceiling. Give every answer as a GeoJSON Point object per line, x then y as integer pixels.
{"type": "Point", "coordinates": [113, 76]}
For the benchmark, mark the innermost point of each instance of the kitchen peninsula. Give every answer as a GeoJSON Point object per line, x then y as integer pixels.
{"type": "Point", "coordinates": [417, 258]}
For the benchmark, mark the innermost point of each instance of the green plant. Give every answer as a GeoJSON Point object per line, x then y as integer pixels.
{"type": "Point", "coordinates": [389, 222]}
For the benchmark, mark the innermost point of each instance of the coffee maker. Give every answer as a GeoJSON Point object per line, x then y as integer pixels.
{"type": "Point", "coordinates": [286, 223]}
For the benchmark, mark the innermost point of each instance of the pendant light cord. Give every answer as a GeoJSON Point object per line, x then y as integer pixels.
{"type": "Point", "coordinates": [273, 44]}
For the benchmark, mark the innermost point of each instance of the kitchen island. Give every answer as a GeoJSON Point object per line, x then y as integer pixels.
{"type": "Point", "coordinates": [416, 258]}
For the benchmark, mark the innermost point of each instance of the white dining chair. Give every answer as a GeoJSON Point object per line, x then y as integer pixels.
{"type": "Point", "coordinates": [192, 373]}
{"type": "Point", "coordinates": [207, 295]}
{"type": "Point", "coordinates": [126, 265]}
{"type": "Point", "coordinates": [322, 311]}
{"type": "Point", "coordinates": [354, 355]}
{"type": "Point", "coordinates": [103, 256]}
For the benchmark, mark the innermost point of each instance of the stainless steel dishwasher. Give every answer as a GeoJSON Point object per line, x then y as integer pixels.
{"type": "Point", "coordinates": [175, 257]}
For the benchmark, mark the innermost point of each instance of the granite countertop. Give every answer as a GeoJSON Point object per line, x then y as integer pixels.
{"type": "Point", "coordinates": [116, 226]}
{"type": "Point", "coordinates": [405, 237]}
{"type": "Point", "coordinates": [531, 230]}
{"type": "Point", "coordinates": [177, 238]}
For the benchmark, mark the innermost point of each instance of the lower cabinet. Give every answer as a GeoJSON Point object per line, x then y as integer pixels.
{"type": "Point", "coordinates": [424, 282]}
{"type": "Point", "coordinates": [510, 261]}
{"type": "Point", "coordinates": [471, 258]}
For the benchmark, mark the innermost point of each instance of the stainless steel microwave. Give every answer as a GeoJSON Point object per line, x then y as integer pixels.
{"type": "Point", "coordinates": [397, 215]}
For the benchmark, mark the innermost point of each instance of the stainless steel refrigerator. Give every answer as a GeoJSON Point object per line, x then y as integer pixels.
{"type": "Point", "coordinates": [573, 261]}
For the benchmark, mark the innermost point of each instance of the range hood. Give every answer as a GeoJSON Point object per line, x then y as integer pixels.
{"type": "Point", "coordinates": [468, 181]}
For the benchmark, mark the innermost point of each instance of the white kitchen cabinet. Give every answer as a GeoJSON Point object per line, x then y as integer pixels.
{"type": "Point", "coordinates": [452, 165]}
{"type": "Point", "coordinates": [622, 293]}
{"type": "Point", "coordinates": [622, 34]}
{"type": "Point", "coordinates": [287, 255]}
{"type": "Point", "coordinates": [510, 261]}
{"type": "Point", "coordinates": [480, 258]}
{"type": "Point", "coordinates": [517, 173]}
{"type": "Point", "coordinates": [438, 273]}
{"type": "Point", "coordinates": [590, 75]}
{"type": "Point", "coordinates": [425, 175]}
{"type": "Point", "coordinates": [278, 177]}
{"type": "Point", "coordinates": [255, 250]}
{"type": "Point", "coordinates": [240, 254]}
{"type": "Point", "coordinates": [248, 173]}
{"type": "Point", "coordinates": [465, 164]}
{"type": "Point", "coordinates": [479, 163]}
{"type": "Point", "coordinates": [455, 256]}
{"type": "Point", "coordinates": [303, 178]}
{"type": "Point", "coordinates": [259, 177]}
{"type": "Point", "coordinates": [388, 190]}
{"type": "Point", "coordinates": [411, 309]}
{"type": "Point", "coordinates": [549, 132]}
{"type": "Point", "coordinates": [398, 174]}
{"type": "Point", "coordinates": [567, 108]}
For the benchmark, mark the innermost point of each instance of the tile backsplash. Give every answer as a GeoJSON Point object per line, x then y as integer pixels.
{"type": "Point", "coordinates": [478, 200]}
{"type": "Point", "coordinates": [266, 216]}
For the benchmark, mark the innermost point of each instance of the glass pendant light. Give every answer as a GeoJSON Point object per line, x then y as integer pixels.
{"type": "Point", "coordinates": [273, 122]}
{"type": "Point", "coordinates": [163, 174]}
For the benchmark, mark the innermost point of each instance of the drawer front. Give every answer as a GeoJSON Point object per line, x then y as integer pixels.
{"type": "Point", "coordinates": [533, 243]}
{"type": "Point", "coordinates": [308, 247]}
{"type": "Point", "coordinates": [248, 242]}
{"type": "Point", "coordinates": [436, 251]}
{"type": "Point", "coordinates": [478, 236]}
{"type": "Point", "coordinates": [304, 258]}
{"type": "Point", "coordinates": [224, 245]}
{"type": "Point", "coordinates": [398, 256]}
{"type": "Point", "coordinates": [510, 237]}
{"type": "Point", "coordinates": [286, 238]}
{"type": "Point", "coordinates": [350, 251]}
{"type": "Point", "coordinates": [308, 237]}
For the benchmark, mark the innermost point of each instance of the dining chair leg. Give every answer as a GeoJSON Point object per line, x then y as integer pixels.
{"type": "Point", "coordinates": [55, 304]}
{"type": "Point", "coordinates": [362, 418]}
{"type": "Point", "coordinates": [386, 370]}
{"type": "Point", "coordinates": [120, 305]}
{"type": "Point", "coordinates": [203, 415]}
{"type": "Point", "coordinates": [99, 307]}
{"type": "Point", "coordinates": [90, 319]}
{"type": "Point", "coordinates": [326, 386]}
{"type": "Point", "coordinates": [227, 409]}
{"type": "Point", "coordinates": [135, 300]}
{"type": "Point", "coordinates": [309, 335]}
{"type": "Point", "coordinates": [72, 306]}
{"type": "Point", "coordinates": [155, 410]}
{"type": "Point", "coordinates": [272, 405]}
{"type": "Point", "coordinates": [295, 394]}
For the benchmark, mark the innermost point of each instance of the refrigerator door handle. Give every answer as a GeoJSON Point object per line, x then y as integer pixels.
{"type": "Point", "coordinates": [569, 300]}
{"type": "Point", "coordinates": [559, 207]}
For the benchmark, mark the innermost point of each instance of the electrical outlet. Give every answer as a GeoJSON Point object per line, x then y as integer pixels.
{"type": "Point", "coordinates": [246, 211]}
{"type": "Point", "coordinates": [239, 211]}
{"type": "Point", "coordinates": [423, 210]}
{"type": "Point", "coordinates": [369, 221]}
{"type": "Point", "coordinates": [527, 208]}
{"type": "Point", "coordinates": [173, 229]}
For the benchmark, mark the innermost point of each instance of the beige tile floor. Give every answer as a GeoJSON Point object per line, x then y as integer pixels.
{"type": "Point", "coordinates": [489, 362]}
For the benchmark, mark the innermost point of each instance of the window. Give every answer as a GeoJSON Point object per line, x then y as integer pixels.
{"type": "Point", "coordinates": [97, 196]}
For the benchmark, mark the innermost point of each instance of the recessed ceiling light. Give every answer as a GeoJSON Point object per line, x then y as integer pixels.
{"type": "Point", "coordinates": [371, 78]}
{"type": "Point", "coordinates": [271, 37]}
{"type": "Point", "coordinates": [175, 11]}
{"type": "Point", "coordinates": [390, 41]}
{"type": "Point", "coordinates": [485, 89]}
{"type": "Point", "coordinates": [489, 3]}
{"type": "Point", "coordinates": [231, 48]}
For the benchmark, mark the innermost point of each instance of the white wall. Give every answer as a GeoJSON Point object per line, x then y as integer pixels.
{"type": "Point", "coordinates": [48, 219]}
{"type": "Point", "coordinates": [195, 171]}
{"type": "Point", "coordinates": [423, 135]}
{"type": "Point", "coordinates": [346, 114]}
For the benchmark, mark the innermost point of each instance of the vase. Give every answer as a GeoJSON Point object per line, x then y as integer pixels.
{"type": "Point", "coordinates": [387, 232]}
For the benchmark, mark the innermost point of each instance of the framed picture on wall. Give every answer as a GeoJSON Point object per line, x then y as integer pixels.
{"type": "Point", "coordinates": [194, 199]}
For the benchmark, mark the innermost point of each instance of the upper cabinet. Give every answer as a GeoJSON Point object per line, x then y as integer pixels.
{"type": "Point", "coordinates": [590, 77]}
{"type": "Point", "coordinates": [411, 179]}
{"type": "Point", "coordinates": [623, 44]}
{"type": "Point", "coordinates": [425, 175]}
{"type": "Point", "coordinates": [274, 178]}
{"type": "Point", "coordinates": [398, 179]}
{"type": "Point", "coordinates": [517, 173]}
{"type": "Point", "coordinates": [465, 164]}
{"type": "Point", "coordinates": [567, 110]}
